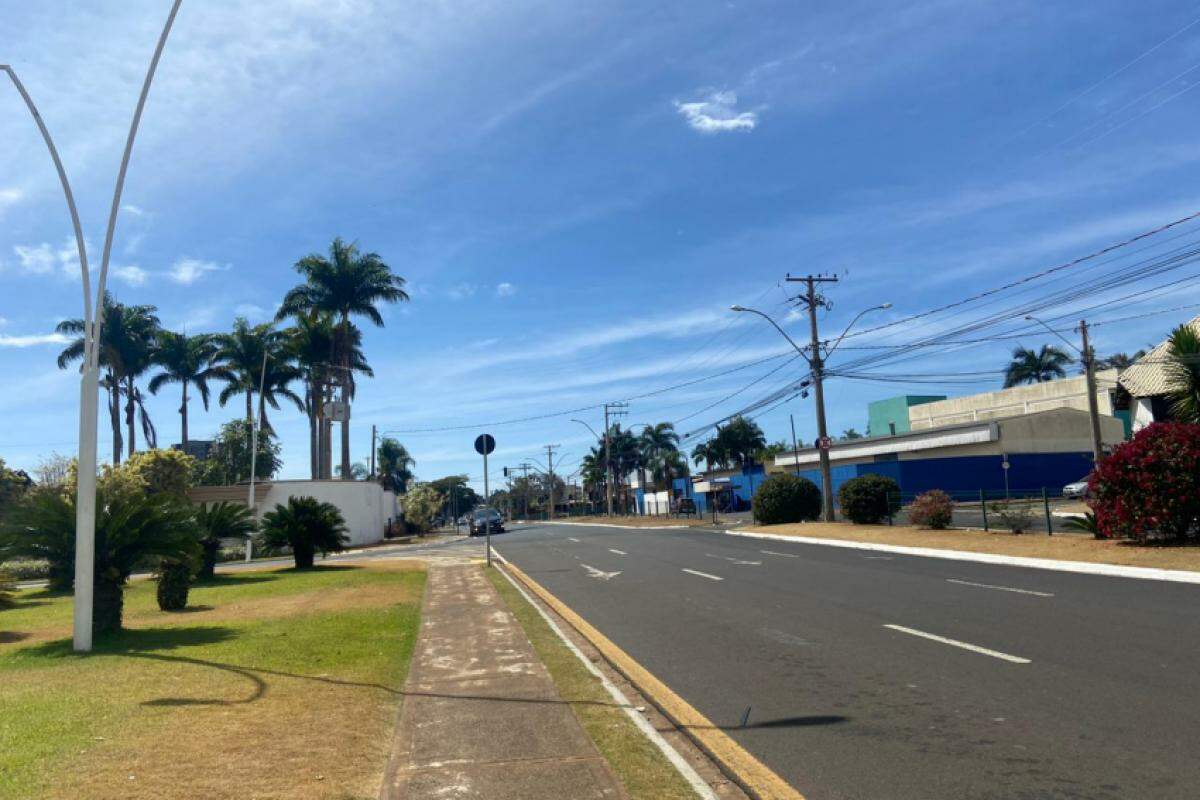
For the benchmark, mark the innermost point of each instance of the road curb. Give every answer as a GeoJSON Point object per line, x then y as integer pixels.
{"type": "Point", "coordinates": [1079, 567]}
{"type": "Point", "coordinates": [754, 777]}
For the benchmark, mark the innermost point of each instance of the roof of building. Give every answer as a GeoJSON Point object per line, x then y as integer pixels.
{"type": "Point", "coordinates": [1147, 376]}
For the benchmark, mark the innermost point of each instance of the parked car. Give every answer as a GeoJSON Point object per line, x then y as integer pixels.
{"type": "Point", "coordinates": [1077, 490]}
{"type": "Point", "coordinates": [685, 505]}
{"type": "Point", "coordinates": [486, 520]}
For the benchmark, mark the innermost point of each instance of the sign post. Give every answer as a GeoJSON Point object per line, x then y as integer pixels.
{"type": "Point", "coordinates": [485, 444]}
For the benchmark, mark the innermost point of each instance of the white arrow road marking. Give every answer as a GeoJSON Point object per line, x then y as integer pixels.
{"type": "Point", "coordinates": [599, 574]}
{"type": "Point", "coordinates": [704, 575]}
{"type": "Point", "coordinates": [774, 553]}
{"type": "Point", "coordinates": [737, 561]}
{"type": "Point", "coordinates": [1000, 588]}
{"type": "Point", "coordinates": [618, 552]}
{"type": "Point", "coordinates": [974, 648]}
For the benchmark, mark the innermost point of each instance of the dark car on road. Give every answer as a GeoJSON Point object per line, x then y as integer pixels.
{"type": "Point", "coordinates": [486, 520]}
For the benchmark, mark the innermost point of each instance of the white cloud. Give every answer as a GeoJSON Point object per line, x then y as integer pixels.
{"type": "Point", "coordinates": [10, 197]}
{"type": "Point", "coordinates": [187, 271]}
{"type": "Point", "coordinates": [136, 211]}
{"type": "Point", "coordinates": [33, 340]}
{"type": "Point", "coordinates": [131, 274]}
{"type": "Point", "coordinates": [505, 289]}
{"type": "Point", "coordinates": [250, 311]}
{"type": "Point", "coordinates": [46, 259]}
{"type": "Point", "coordinates": [717, 113]}
{"type": "Point", "coordinates": [461, 291]}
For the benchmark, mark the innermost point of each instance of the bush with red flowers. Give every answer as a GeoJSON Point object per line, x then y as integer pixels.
{"type": "Point", "coordinates": [1150, 487]}
{"type": "Point", "coordinates": [932, 509]}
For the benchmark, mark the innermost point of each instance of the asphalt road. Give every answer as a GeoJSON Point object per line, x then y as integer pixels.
{"type": "Point", "coordinates": [1043, 684]}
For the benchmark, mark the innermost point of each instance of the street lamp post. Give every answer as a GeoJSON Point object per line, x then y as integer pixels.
{"type": "Point", "coordinates": [89, 390]}
{"type": "Point", "coordinates": [817, 363]}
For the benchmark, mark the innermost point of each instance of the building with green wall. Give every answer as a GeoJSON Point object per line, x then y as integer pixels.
{"type": "Point", "coordinates": [890, 416]}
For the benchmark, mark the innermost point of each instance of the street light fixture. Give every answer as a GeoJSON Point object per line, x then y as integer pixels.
{"type": "Point", "coordinates": [817, 363]}
{"type": "Point", "coordinates": [89, 390]}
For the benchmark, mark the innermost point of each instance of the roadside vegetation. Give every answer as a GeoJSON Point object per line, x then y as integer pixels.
{"type": "Point", "coordinates": [278, 683]}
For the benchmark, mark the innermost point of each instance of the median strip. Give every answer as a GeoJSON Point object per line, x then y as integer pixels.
{"type": "Point", "coordinates": [974, 648]}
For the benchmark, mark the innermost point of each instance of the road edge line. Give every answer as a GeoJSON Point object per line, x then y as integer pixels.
{"type": "Point", "coordinates": [1077, 567]}
{"type": "Point", "coordinates": [698, 784]}
{"type": "Point", "coordinates": [754, 777]}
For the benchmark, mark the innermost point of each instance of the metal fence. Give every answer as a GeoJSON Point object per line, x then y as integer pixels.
{"type": "Point", "coordinates": [1045, 511]}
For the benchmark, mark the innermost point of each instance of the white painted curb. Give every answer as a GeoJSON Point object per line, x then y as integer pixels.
{"type": "Point", "coordinates": [685, 769]}
{"type": "Point", "coordinates": [1082, 567]}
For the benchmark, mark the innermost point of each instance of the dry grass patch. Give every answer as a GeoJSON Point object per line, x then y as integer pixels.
{"type": "Point", "coordinates": [1029, 545]}
{"type": "Point", "coordinates": [283, 685]}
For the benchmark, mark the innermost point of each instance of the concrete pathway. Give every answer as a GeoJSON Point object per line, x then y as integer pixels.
{"type": "Point", "coordinates": [481, 717]}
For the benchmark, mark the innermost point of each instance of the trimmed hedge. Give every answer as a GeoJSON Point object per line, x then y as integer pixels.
{"type": "Point", "coordinates": [869, 499]}
{"type": "Point", "coordinates": [786, 498]}
{"type": "Point", "coordinates": [174, 580]}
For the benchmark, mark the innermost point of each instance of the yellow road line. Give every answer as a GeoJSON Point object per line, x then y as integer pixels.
{"type": "Point", "coordinates": [746, 770]}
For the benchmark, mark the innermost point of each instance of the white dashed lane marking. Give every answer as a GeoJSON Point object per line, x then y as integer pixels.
{"type": "Point", "coordinates": [974, 648]}
{"type": "Point", "coordinates": [999, 588]}
{"type": "Point", "coordinates": [704, 575]}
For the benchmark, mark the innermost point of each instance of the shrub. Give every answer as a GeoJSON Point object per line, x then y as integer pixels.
{"type": "Point", "coordinates": [130, 528]}
{"type": "Point", "coordinates": [421, 505]}
{"type": "Point", "coordinates": [306, 525]}
{"type": "Point", "coordinates": [1086, 523]}
{"type": "Point", "coordinates": [1150, 486]}
{"type": "Point", "coordinates": [1016, 515]}
{"type": "Point", "coordinates": [786, 498]}
{"type": "Point", "coordinates": [219, 521]}
{"type": "Point", "coordinates": [22, 569]}
{"type": "Point", "coordinates": [932, 509]}
{"type": "Point", "coordinates": [174, 580]}
{"type": "Point", "coordinates": [869, 498]}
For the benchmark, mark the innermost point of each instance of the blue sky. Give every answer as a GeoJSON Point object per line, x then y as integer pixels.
{"type": "Point", "coordinates": [576, 192]}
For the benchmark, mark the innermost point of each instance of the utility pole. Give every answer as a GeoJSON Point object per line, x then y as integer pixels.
{"type": "Point", "coordinates": [795, 444]}
{"type": "Point", "coordinates": [525, 474]}
{"type": "Point", "coordinates": [372, 452]}
{"type": "Point", "coordinates": [815, 301]}
{"type": "Point", "coordinates": [616, 410]}
{"type": "Point", "coordinates": [550, 476]}
{"type": "Point", "coordinates": [1089, 370]}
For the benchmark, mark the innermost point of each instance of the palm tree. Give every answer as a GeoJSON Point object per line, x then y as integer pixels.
{"type": "Point", "coordinates": [218, 521]}
{"type": "Point", "coordinates": [395, 465]}
{"type": "Point", "coordinates": [740, 440]}
{"type": "Point", "coordinates": [186, 360]}
{"type": "Point", "coordinates": [709, 454]}
{"type": "Point", "coordinates": [1119, 361]}
{"type": "Point", "coordinates": [132, 528]}
{"type": "Point", "coordinates": [306, 525]}
{"type": "Point", "coordinates": [592, 473]}
{"type": "Point", "coordinates": [346, 283]}
{"type": "Point", "coordinates": [127, 339]}
{"type": "Point", "coordinates": [310, 341]}
{"type": "Point", "coordinates": [241, 356]}
{"type": "Point", "coordinates": [660, 452]}
{"type": "Point", "coordinates": [1028, 366]}
{"type": "Point", "coordinates": [1183, 374]}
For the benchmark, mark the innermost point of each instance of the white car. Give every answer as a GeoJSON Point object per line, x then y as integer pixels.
{"type": "Point", "coordinates": [1077, 490]}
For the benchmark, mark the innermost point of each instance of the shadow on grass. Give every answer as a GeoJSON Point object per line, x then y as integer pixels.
{"type": "Point", "coordinates": [136, 640]}
{"type": "Point", "coordinates": [8, 637]}
{"type": "Point", "coordinates": [190, 609]}
{"type": "Point", "coordinates": [235, 579]}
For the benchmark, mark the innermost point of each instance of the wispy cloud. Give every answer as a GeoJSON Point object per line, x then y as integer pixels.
{"type": "Point", "coordinates": [187, 271]}
{"type": "Point", "coordinates": [46, 259]}
{"type": "Point", "coordinates": [505, 289]}
{"type": "Point", "coordinates": [461, 291]}
{"type": "Point", "coordinates": [130, 208]}
{"type": "Point", "coordinates": [717, 113]}
{"type": "Point", "coordinates": [33, 340]}
{"type": "Point", "coordinates": [10, 197]}
{"type": "Point", "coordinates": [131, 274]}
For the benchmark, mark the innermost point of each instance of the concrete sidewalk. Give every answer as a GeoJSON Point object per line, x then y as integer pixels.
{"type": "Point", "coordinates": [481, 717]}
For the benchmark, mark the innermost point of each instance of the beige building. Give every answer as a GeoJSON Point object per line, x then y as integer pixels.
{"type": "Point", "coordinates": [1148, 384]}
{"type": "Point", "coordinates": [1017, 401]}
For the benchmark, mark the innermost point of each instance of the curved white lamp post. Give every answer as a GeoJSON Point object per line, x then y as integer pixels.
{"type": "Point", "coordinates": [85, 503]}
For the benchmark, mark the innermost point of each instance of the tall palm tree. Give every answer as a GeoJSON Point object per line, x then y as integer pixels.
{"type": "Point", "coordinates": [592, 474]}
{"type": "Point", "coordinates": [188, 361]}
{"type": "Point", "coordinates": [1183, 374]}
{"type": "Point", "coordinates": [1028, 366]}
{"type": "Point", "coordinates": [1119, 361]}
{"type": "Point", "coordinates": [126, 347]}
{"type": "Point", "coordinates": [741, 440]}
{"type": "Point", "coordinates": [395, 465]}
{"type": "Point", "coordinates": [709, 454]}
{"type": "Point", "coordinates": [344, 284]}
{"type": "Point", "coordinates": [625, 456]}
{"type": "Point", "coordinates": [240, 356]}
{"type": "Point", "coordinates": [660, 452]}
{"type": "Point", "coordinates": [309, 342]}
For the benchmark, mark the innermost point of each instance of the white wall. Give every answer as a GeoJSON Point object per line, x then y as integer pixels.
{"type": "Point", "coordinates": [365, 505]}
{"type": "Point", "coordinates": [657, 502]}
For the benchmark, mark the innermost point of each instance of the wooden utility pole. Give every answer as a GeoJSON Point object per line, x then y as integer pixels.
{"type": "Point", "coordinates": [1089, 371]}
{"type": "Point", "coordinates": [815, 301]}
{"type": "Point", "coordinates": [550, 478]}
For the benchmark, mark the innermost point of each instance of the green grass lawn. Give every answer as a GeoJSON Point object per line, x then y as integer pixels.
{"type": "Point", "coordinates": [272, 684]}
